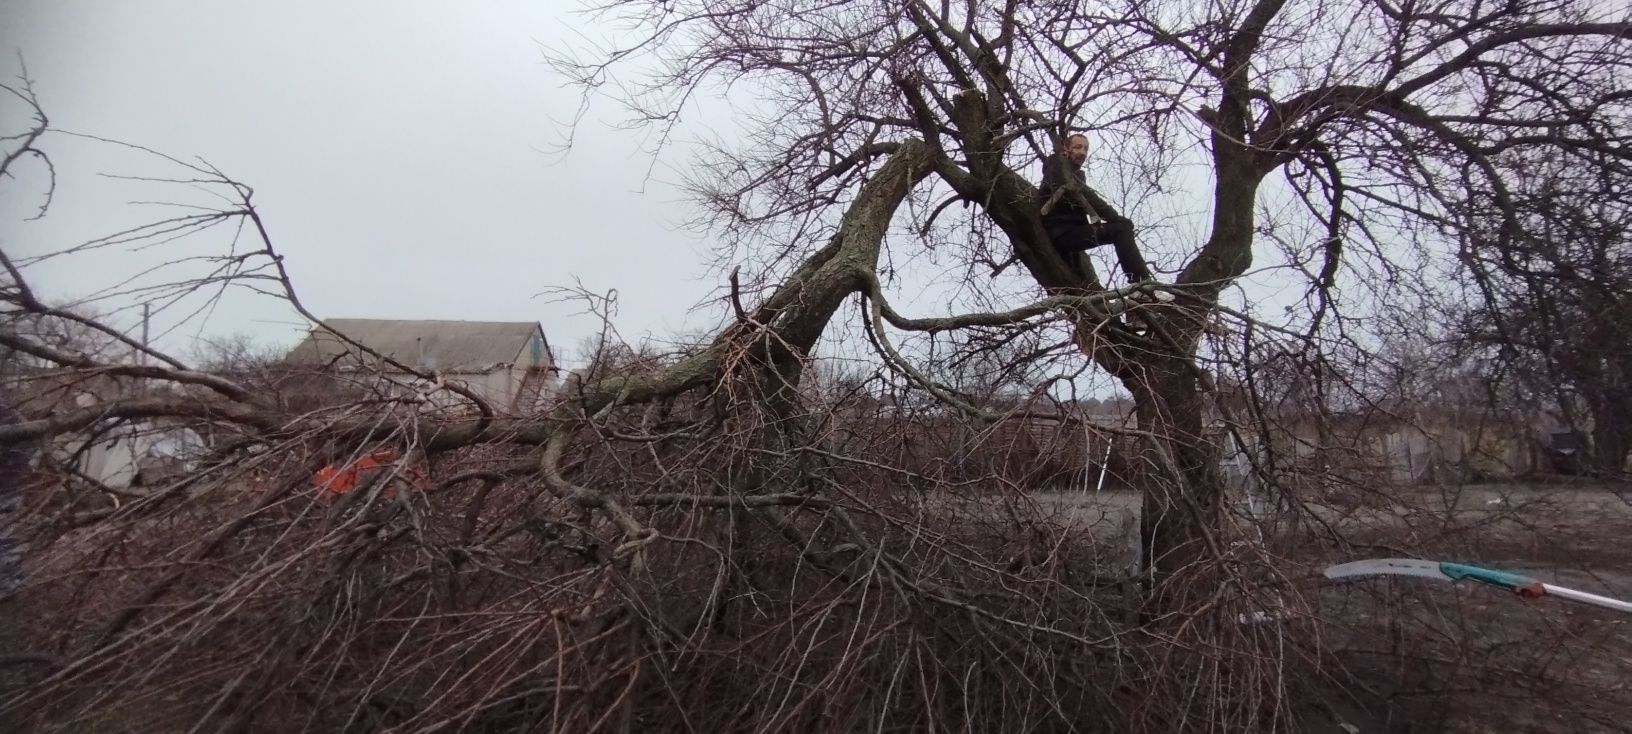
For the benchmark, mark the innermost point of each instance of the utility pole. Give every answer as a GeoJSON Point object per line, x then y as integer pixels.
{"type": "Point", "coordinates": [147, 314]}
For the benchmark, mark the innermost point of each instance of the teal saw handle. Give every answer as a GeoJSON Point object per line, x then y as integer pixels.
{"type": "Point", "coordinates": [1524, 586]}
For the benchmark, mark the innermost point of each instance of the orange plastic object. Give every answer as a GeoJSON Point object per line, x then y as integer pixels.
{"type": "Point", "coordinates": [342, 480]}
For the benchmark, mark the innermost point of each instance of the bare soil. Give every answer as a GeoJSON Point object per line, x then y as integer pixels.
{"type": "Point", "coordinates": [1426, 656]}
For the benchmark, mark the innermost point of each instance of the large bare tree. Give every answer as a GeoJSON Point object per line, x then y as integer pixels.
{"type": "Point", "coordinates": [696, 536]}
{"type": "Point", "coordinates": [1383, 119]}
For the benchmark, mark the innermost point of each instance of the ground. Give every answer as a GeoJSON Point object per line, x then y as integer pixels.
{"type": "Point", "coordinates": [1454, 657]}
{"type": "Point", "coordinates": [1373, 655]}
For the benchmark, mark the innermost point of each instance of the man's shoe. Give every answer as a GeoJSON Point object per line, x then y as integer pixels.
{"type": "Point", "coordinates": [1148, 294]}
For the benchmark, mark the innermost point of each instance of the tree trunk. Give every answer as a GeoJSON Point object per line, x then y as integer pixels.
{"type": "Point", "coordinates": [1611, 438]}
{"type": "Point", "coordinates": [14, 469]}
{"type": "Point", "coordinates": [1179, 477]}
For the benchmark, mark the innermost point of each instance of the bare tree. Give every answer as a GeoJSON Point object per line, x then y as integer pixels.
{"type": "Point", "coordinates": [694, 537]}
{"type": "Point", "coordinates": [1383, 125]}
{"type": "Point", "coordinates": [1558, 299]}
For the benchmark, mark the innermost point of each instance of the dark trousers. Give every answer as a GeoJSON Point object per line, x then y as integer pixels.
{"type": "Point", "coordinates": [1072, 237]}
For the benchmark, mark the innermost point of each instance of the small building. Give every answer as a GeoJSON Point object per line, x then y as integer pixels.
{"type": "Point", "coordinates": [507, 363]}
{"type": "Point", "coordinates": [116, 455]}
{"type": "Point", "coordinates": [144, 453]}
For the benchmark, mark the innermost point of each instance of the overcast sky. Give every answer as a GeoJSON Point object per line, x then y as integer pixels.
{"type": "Point", "coordinates": [400, 152]}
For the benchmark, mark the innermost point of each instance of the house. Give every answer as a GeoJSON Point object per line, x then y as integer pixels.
{"type": "Point", "coordinates": [118, 455]}
{"type": "Point", "coordinates": [507, 363]}
{"type": "Point", "coordinates": [139, 453]}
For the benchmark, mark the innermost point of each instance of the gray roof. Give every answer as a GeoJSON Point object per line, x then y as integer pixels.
{"type": "Point", "coordinates": [449, 346]}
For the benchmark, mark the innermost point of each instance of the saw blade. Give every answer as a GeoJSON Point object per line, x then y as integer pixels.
{"type": "Point", "coordinates": [1388, 567]}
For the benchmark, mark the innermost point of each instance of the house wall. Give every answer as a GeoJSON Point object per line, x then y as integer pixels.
{"type": "Point", "coordinates": [534, 356]}
{"type": "Point", "coordinates": [111, 462]}
{"type": "Point", "coordinates": [498, 386]}
{"type": "Point", "coordinates": [115, 459]}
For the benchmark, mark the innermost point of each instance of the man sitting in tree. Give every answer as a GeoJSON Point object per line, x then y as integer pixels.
{"type": "Point", "coordinates": [1077, 218]}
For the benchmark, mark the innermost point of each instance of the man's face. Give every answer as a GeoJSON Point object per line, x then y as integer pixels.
{"type": "Point", "coordinates": [1076, 149]}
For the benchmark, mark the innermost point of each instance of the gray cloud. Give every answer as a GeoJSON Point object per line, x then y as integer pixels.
{"type": "Point", "coordinates": [398, 152]}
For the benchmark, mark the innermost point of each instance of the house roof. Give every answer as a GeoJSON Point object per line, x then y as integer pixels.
{"type": "Point", "coordinates": [449, 346]}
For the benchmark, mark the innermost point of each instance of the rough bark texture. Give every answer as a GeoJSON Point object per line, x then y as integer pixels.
{"type": "Point", "coordinates": [1611, 436]}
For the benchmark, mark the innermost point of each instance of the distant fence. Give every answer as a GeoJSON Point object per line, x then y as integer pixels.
{"type": "Point", "coordinates": [1409, 454]}
{"type": "Point", "coordinates": [1074, 450]}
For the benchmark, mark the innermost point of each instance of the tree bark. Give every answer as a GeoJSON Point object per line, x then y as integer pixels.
{"type": "Point", "coordinates": [1611, 437]}
{"type": "Point", "coordinates": [1179, 477]}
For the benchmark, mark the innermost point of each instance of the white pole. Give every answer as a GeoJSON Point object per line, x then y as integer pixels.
{"type": "Point", "coordinates": [1104, 465]}
{"type": "Point", "coordinates": [1585, 598]}
{"type": "Point", "coordinates": [1087, 451]}
{"type": "Point", "coordinates": [147, 314]}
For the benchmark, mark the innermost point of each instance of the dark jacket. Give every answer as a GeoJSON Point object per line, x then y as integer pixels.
{"type": "Point", "coordinates": [1076, 200]}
